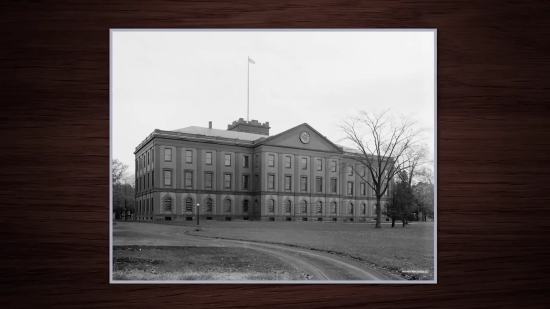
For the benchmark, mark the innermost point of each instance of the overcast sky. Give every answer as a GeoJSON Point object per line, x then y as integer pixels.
{"type": "Point", "coordinates": [174, 79]}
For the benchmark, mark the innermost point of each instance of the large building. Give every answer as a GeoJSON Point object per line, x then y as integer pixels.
{"type": "Point", "coordinates": [242, 173]}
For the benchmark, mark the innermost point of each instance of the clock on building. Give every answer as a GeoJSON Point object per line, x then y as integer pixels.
{"type": "Point", "coordinates": [304, 137]}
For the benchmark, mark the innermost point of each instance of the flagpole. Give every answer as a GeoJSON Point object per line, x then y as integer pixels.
{"type": "Point", "coordinates": [248, 89]}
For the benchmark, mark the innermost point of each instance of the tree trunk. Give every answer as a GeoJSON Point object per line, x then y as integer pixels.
{"type": "Point", "coordinates": [404, 222]}
{"type": "Point", "coordinates": [378, 213]}
{"type": "Point", "coordinates": [392, 221]}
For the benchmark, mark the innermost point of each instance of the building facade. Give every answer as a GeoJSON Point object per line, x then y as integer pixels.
{"type": "Point", "coordinates": [242, 173]}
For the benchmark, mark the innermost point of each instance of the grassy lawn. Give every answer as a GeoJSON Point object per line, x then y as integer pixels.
{"type": "Point", "coordinates": [198, 263]}
{"type": "Point", "coordinates": [406, 251]}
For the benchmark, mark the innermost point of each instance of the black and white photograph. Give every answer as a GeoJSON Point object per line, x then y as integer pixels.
{"type": "Point", "coordinates": [273, 156]}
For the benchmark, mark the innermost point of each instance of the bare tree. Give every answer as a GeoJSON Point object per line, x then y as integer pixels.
{"type": "Point", "coordinates": [414, 158]}
{"type": "Point", "coordinates": [118, 171]}
{"type": "Point", "coordinates": [381, 142]}
{"type": "Point", "coordinates": [123, 186]}
{"type": "Point", "coordinates": [423, 192]}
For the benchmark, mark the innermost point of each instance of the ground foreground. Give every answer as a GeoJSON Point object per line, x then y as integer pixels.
{"type": "Point", "coordinates": [406, 251]}
{"type": "Point", "coordinates": [198, 263]}
{"type": "Point", "coordinates": [318, 250]}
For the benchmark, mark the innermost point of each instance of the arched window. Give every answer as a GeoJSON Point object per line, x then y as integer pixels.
{"type": "Point", "coordinates": [303, 206]}
{"type": "Point", "coordinates": [271, 206]}
{"type": "Point", "coordinates": [188, 204]}
{"type": "Point", "coordinates": [363, 209]}
{"type": "Point", "coordinates": [227, 205]}
{"type": "Point", "coordinates": [350, 210]}
{"type": "Point", "coordinates": [288, 206]}
{"type": "Point", "coordinates": [255, 206]}
{"type": "Point", "coordinates": [245, 206]}
{"type": "Point", "coordinates": [333, 208]}
{"type": "Point", "coordinates": [209, 205]}
{"type": "Point", "coordinates": [167, 204]}
{"type": "Point", "coordinates": [319, 207]}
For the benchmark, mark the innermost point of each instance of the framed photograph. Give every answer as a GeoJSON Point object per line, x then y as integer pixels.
{"type": "Point", "coordinates": [273, 156]}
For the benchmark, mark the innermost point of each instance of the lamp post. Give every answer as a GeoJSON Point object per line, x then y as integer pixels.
{"type": "Point", "coordinates": [198, 213]}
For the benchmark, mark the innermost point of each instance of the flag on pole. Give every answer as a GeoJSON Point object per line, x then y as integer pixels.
{"type": "Point", "coordinates": [251, 61]}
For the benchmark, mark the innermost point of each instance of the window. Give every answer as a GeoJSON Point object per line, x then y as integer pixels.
{"type": "Point", "coordinates": [288, 182]}
{"type": "Point", "coordinates": [227, 205]}
{"type": "Point", "coordinates": [167, 154]}
{"type": "Point", "coordinates": [319, 207]}
{"type": "Point", "coordinates": [148, 158]}
{"type": "Point", "coordinates": [209, 158]}
{"type": "Point", "coordinates": [188, 178]}
{"type": "Point", "coordinates": [362, 171]}
{"type": "Point", "coordinates": [333, 166]}
{"type": "Point", "coordinates": [333, 185]}
{"type": "Point", "coordinates": [245, 161]}
{"type": "Point", "coordinates": [350, 168]}
{"type": "Point", "coordinates": [319, 164]}
{"type": "Point", "coordinates": [288, 206]}
{"type": "Point", "coordinates": [271, 181]}
{"type": "Point", "coordinates": [188, 156]}
{"type": "Point", "coordinates": [227, 181]}
{"type": "Point", "coordinates": [167, 178]}
{"type": "Point", "coordinates": [167, 204]}
{"type": "Point", "coordinates": [350, 210]}
{"type": "Point", "coordinates": [319, 184]}
{"type": "Point", "coordinates": [256, 160]}
{"type": "Point", "coordinates": [245, 206]}
{"type": "Point", "coordinates": [209, 205]}
{"type": "Point", "coordinates": [303, 184]}
{"type": "Point", "coordinates": [363, 209]}
{"type": "Point", "coordinates": [333, 208]}
{"type": "Point", "coordinates": [245, 182]}
{"type": "Point", "coordinates": [271, 206]}
{"type": "Point", "coordinates": [257, 182]}
{"type": "Point", "coordinates": [288, 161]}
{"type": "Point", "coordinates": [271, 160]}
{"type": "Point", "coordinates": [350, 188]}
{"type": "Point", "coordinates": [303, 207]}
{"type": "Point", "coordinates": [363, 188]}
{"type": "Point", "coordinates": [208, 180]}
{"type": "Point", "coordinates": [188, 204]}
{"type": "Point", "coordinates": [304, 163]}
{"type": "Point", "coordinates": [227, 160]}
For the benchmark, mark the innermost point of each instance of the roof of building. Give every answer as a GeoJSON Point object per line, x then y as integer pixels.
{"type": "Point", "coordinates": [221, 133]}
{"type": "Point", "coordinates": [353, 150]}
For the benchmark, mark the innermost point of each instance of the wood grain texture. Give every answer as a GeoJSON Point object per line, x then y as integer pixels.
{"type": "Point", "coordinates": [493, 135]}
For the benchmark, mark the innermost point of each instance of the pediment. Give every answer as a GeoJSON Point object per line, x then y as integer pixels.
{"type": "Point", "coordinates": [312, 140]}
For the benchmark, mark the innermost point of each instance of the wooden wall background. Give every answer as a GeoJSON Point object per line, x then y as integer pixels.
{"type": "Point", "coordinates": [494, 158]}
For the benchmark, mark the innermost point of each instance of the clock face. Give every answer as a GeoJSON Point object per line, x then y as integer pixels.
{"type": "Point", "coordinates": [304, 137]}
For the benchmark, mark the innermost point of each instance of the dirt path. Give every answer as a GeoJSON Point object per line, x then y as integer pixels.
{"type": "Point", "coordinates": [318, 265]}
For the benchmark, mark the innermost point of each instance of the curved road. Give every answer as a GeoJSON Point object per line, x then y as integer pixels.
{"type": "Point", "coordinates": [317, 265]}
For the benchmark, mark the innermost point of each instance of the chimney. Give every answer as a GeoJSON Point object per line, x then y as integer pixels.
{"type": "Point", "coordinates": [210, 124]}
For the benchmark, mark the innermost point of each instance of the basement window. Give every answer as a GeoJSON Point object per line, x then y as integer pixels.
{"type": "Point", "coordinates": [189, 218]}
{"type": "Point", "coordinates": [271, 219]}
{"type": "Point", "coordinates": [167, 218]}
{"type": "Point", "coordinates": [288, 219]}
